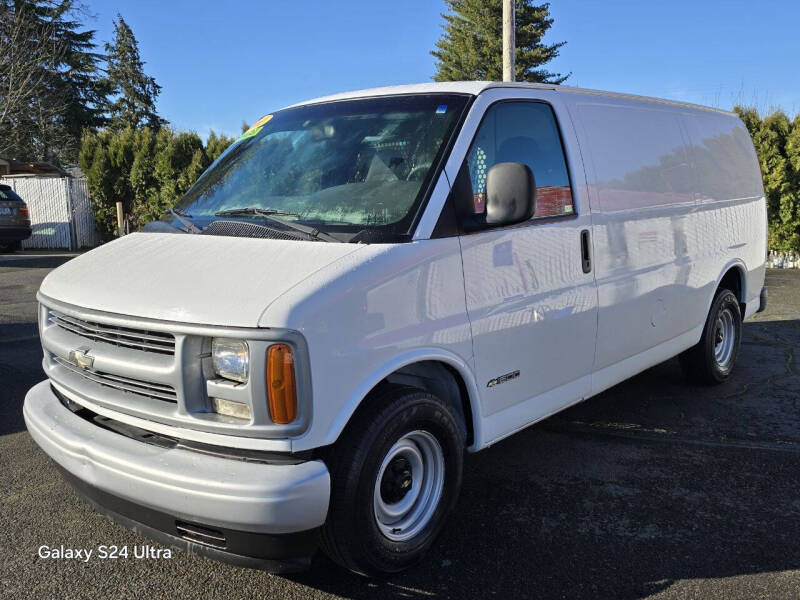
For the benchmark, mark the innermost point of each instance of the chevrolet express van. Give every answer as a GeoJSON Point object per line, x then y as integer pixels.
{"type": "Point", "coordinates": [366, 285]}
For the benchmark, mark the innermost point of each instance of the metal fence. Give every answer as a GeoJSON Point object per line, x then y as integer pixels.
{"type": "Point", "coordinates": [61, 213]}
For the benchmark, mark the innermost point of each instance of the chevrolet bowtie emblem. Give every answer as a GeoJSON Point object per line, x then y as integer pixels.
{"type": "Point", "coordinates": [80, 358]}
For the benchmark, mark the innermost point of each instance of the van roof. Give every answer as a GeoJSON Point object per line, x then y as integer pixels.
{"type": "Point", "coordinates": [476, 87]}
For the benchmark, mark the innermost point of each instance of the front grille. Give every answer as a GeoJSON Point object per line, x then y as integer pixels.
{"type": "Point", "coordinates": [139, 339]}
{"type": "Point", "coordinates": [158, 391]}
{"type": "Point", "coordinates": [158, 371]}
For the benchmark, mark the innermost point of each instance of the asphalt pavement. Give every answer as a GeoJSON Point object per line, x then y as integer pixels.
{"type": "Point", "coordinates": [655, 488]}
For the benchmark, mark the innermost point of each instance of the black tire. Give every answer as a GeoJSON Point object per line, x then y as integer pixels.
{"type": "Point", "coordinates": [10, 247]}
{"type": "Point", "coordinates": [706, 362]}
{"type": "Point", "coordinates": [352, 535]}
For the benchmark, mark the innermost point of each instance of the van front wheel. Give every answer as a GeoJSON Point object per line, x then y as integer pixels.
{"type": "Point", "coordinates": [395, 476]}
{"type": "Point", "coordinates": [711, 360]}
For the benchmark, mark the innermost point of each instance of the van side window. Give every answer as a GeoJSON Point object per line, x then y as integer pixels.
{"type": "Point", "coordinates": [524, 132]}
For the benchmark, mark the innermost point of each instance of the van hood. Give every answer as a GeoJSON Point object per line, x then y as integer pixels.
{"type": "Point", "coordinates": [189, 278]}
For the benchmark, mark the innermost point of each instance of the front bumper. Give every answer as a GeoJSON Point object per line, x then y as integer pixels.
{"type": "Point", "coordinates": [169, 490]}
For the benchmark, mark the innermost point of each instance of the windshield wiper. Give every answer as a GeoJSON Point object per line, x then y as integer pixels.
{"type": "Point", "coordinates": [181, 216]}
{"type": "Point", "coordinates": [252, 210]}
{"type": "Point", "coordinates": [271, 214]}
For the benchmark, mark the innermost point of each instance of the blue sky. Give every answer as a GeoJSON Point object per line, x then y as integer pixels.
{"type": "Point", "coordinates": [221, 63]}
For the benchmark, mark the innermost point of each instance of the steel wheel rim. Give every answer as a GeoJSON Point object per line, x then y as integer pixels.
{"type": "Point", "coordinates": [724, 337]}
{"type": "Point", "coordinates": [403, 519]}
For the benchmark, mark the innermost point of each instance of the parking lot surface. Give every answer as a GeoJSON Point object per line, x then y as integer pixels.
{"type": "Point", "coordinates": [655, 488]}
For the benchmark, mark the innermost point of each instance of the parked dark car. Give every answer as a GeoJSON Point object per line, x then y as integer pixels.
{"type": "Point", "coordinates": [15, 222]}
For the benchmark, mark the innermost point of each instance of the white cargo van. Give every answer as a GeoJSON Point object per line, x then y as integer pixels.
{"type": "Point", "coordinates": [366, 285]}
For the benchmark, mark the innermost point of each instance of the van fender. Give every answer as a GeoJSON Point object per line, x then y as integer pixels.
{"type": "Point", "coordinates": [398, 362]}
{"type": "Point", "coordinates": [739, 264]}
{"type": "Point", "coordinates": [736, 263]}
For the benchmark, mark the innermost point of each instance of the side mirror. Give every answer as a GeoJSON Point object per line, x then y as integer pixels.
{"type": "Point", "coordinates": [510, 194]}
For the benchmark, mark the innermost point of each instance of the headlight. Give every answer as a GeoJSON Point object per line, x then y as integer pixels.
{"type": "Point", "coordinates": [231, 358]}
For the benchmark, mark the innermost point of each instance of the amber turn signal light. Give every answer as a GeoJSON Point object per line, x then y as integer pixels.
{"type": "Point", "coordinates": [281, 388]}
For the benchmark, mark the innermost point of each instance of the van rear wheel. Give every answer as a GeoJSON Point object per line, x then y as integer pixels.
{"type": "Point", "coordinates": [395, 476]}
{"type": "Point", "coordinates": [711, 360]}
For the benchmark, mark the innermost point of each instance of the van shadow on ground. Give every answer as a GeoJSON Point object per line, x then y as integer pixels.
{"type": "Point", "coordinates": [651, 482]}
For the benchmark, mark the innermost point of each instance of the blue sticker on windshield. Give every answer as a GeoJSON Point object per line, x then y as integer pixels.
{"type": "Point", "coordinates": [441, 109]}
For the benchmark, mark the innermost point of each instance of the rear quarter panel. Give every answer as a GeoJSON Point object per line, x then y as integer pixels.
{"type": "Point", "coordinates": [676, 200]}
{"type": "Point", "coordinates": [730, 210]}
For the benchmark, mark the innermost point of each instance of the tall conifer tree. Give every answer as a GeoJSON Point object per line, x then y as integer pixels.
{"type": "Point", "coordinates": [51, 86]}
{"type": "Point", "coordinates": [85, 89]}
{"type": "Point", "coordinates": [471, 47]}
{"type": "Point", "coordinates": [134, 93]}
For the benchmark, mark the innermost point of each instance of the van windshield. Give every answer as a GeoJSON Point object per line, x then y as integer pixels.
{"type": "Point", "coordinates": [338, 166]}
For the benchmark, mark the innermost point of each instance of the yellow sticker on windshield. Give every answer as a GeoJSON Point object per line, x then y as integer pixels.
{"type": "Point", "coordinates": [262, 121]}
{"type": "Point", "coordinates": [249, 133]}
{"type": "Point", "coordinates": [255, 128]}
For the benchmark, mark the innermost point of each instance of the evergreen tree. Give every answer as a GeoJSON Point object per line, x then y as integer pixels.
{"type": "Point", "coordinates": [94, 162]}
{"type": "Point", "coordinates": [85, 89]}
{"type": "Point", "coordinates": [216, 145]}
{"type": "Point", "coordinates": [472, 45]}
{"type": "Point", "coordinates": [135, 92]}
{"type": "Point", "coordinates": [770, 142]}
{"type": "Point", "coordinates": [50, 82]}
{"type": "Point", "coordinates": [148, 171]}
{"type": "Point", "coordinates": [777, 143]}
{"type": "Point", "coordinates": [750, 118]}
{"type": "Point", "coordinates": [790, 205]}
{"type": "Point", "coordinates": [143, 182]}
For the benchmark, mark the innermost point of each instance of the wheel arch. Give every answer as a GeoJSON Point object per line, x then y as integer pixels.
{"type": "Point", "coordinates": [734, 278]}
{"type": "Point", "coordinates": [436, 371]}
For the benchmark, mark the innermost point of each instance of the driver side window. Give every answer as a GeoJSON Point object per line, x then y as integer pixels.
{"type": "Point", "coordinates": [523, 132]}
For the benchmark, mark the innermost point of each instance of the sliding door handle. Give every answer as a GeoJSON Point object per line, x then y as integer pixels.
{"type": "Point", "coordinates": [586, 251]}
